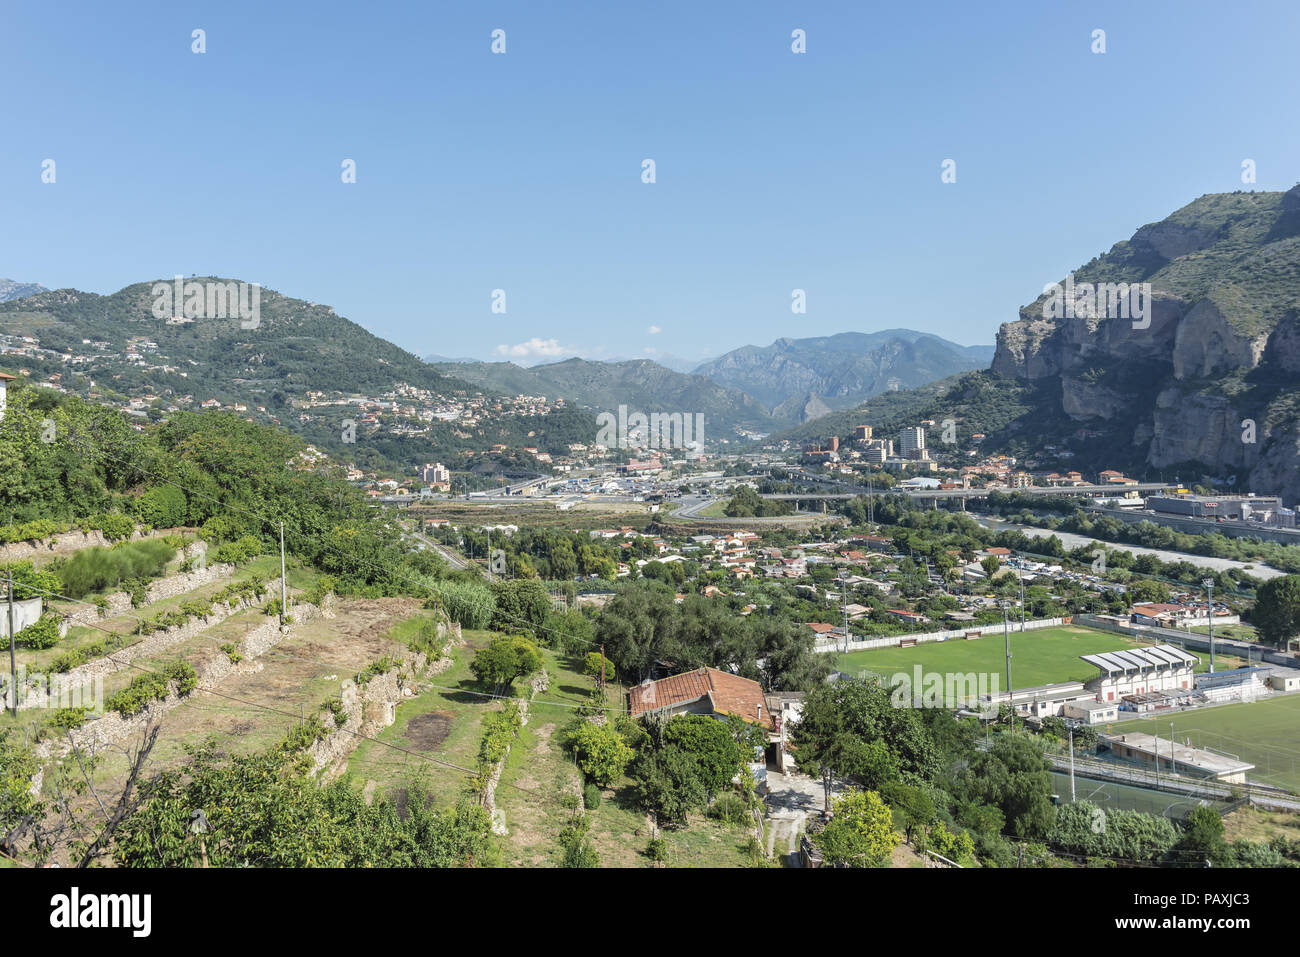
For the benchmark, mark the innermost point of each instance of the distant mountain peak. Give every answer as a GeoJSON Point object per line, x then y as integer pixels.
{"type": "Point", "coordinates": [10, 290]}
{"type": "Point", "coordinates": [798, 379]}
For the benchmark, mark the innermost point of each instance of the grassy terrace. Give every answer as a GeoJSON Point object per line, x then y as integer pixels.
{"type": "Point", "coordinates": [257, 705]}
{"type": "Point", "coordinates": [444, 724]}
{"type": "Point", "coordinates": [265, 567]}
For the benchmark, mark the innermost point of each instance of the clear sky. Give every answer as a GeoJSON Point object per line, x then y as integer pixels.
{"type": "Point", "coordinates": [522, 171]}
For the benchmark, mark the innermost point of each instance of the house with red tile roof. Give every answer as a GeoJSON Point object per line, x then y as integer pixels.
{"type": "Point", "coordinates": [702, 691]}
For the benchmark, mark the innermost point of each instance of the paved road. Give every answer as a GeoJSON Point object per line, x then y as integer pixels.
{"type": "Point", "coordinates": [791, 798]}
{"type": "Point", "coordinates": [1071, 540]}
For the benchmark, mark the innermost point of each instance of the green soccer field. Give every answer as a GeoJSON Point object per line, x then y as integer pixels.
{"type": "Point", "coordinates": [1265, 733]}
{"type": "Point", "coordinates": [1039, 657]}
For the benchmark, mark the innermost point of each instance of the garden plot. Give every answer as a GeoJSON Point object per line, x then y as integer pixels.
{"type": "Point", "coordinates": [261, 699]}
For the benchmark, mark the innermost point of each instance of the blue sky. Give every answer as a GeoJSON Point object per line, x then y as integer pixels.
{"type": "Point", "coordinates": [522, 171]}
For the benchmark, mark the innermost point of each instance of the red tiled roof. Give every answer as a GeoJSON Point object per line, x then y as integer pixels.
{"type": "Point", "coordinates": [728, 693]}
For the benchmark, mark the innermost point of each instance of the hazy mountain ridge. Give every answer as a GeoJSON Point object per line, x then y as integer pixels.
{"type": "Point", "coordinates": [799, 378]}
{"type": "Point", "coordinates": [10, 290]}
{"type": "Point", "coordinates": [640, 384]}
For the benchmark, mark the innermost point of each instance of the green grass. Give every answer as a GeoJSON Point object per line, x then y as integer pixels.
{"type": "Point", "coordinates": [1039, 657]}
{"type": "Point", "coordinates": [1261, 732]}
{"type": "Point", "coordinates": [1239, 632]}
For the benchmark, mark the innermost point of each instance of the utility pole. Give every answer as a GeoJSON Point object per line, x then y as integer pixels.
{"type": "Point", "coordinates": [284, 592]}
{"type": "Point", "coordinates": [1069, 724]}
{"type": "Point", "coordinates": [1006, 634]}
{"type": "Point", "coordinates": [844, 605]}
{"type": "Point", "coordinates": [1209, 614]}
{"type": "Point", "coordinates": [1021, 578]}
{"type": "Point", "coordinates": [13, 669]}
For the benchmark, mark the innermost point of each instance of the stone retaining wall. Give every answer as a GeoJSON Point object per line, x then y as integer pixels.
{"type": "Point", "coordinates": [374, 707]}
{"type": "Point", "coordinates": [114, 727]}
{"type": "Point", "coordinates": [65, 543]}
{"type": "Point", "coordinates": [63, 685]}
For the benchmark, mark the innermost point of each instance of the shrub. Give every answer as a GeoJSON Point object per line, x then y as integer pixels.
{"type": "Point", "coordinates": [113, 526]}
{"type": "Point", "coordinates": [97, 568]}
{"type": "Point", "coordinates": [729, 809]}
{"type": "Point", "coordinates": [239, 551]}
{"type": "Point", "coordinates": [43, 633]}
{"type": "Point", "coordinates": [600, 751]}
{"type": "Point", "coordinates": [319, 589]}
{"type": "Point", "coordinates": [163, 506]}
{"type": "Point", "coordinates": [70, 659]}
{"type": "Point", "coordinates": [68, 719]}
{"type": "Point", "coordinates": [34, 531]}
{"type": "Point", "coordinates": [427, 640]}
{"type": "Point", "coordinates": [234, 656]}
{"type": "Point", "coordinates": [591, 797]}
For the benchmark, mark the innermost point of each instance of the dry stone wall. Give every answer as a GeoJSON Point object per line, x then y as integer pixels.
{"type": "Point", "coordinates": [114, 727]}
{"type": "Point", "coordinates": [62, 686]}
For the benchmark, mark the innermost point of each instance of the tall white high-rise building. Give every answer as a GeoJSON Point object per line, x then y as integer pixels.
{"type": "Point", "coordinates": [911, 441]}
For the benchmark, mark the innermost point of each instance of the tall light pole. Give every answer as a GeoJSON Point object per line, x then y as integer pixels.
{"type": "Point", "coordinates": [1006, 634]}
{"type": "Point", "coordinates": [1209, 614]}
{"type": "Point", "coordinates": [13, 669]}
{"type": "Point", "coordinates": [1069, 725]}
{"type": "Point", "coordinates": [844, 605]}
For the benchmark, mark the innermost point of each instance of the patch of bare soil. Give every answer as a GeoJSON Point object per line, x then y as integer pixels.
{"type": "Point", "coordinates": [427, 731]}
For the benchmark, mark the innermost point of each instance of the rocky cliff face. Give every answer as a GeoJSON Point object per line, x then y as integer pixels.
{"type": "Point", "coordinates": [1212, 382]}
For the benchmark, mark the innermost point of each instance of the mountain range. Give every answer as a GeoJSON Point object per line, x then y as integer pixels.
{"type": "Point", "coordinates": [639, 384]}
{"type": "Point", "coordinates": [801, 379]}
{"type": "Point", "coordinates": [756, 388]}
{"type": "Point", "coordinates": [298, 366]}
{"type": "Point", "coordinates": [10, 290]}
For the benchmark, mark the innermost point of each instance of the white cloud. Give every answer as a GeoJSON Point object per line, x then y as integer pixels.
{"type": "Point", "coordinates": [535, 348]}
{"type": "Point", "coordinates": [654, 330]}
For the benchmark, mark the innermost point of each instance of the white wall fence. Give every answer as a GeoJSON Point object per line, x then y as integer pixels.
{"type": "Point", "coordinates": [27, 611]}
{"type": "Point", "coordinates": [865, 644]}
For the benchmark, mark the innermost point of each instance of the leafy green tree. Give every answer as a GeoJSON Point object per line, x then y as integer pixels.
{"type": "Point", "coordinates": [1204, 836]}
{"type": "Point", "coordinates": [520, 603]}
{"type": "Point", "coordinates": [506, 659]}
{"type": "Point", "coordinates": [838, 722]}
{"type": "Point", "coordinates": [1014, 776]}
{"type": "Point", "coordinates": [912, 807]}
{"type": "Point", "coordinates": [861, 832]}
{"type": "Point", "coordinates": [667, 784]}
{"type": "Point", "coordinates": [1277, 609]}
{"type": "Point", "coordinates": [712, 749]}
{"type": "Point", "coordinates": [601, 752]}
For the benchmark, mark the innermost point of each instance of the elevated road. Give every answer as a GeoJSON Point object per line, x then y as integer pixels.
{"type": "Point", "coordinates": [968, 493]}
